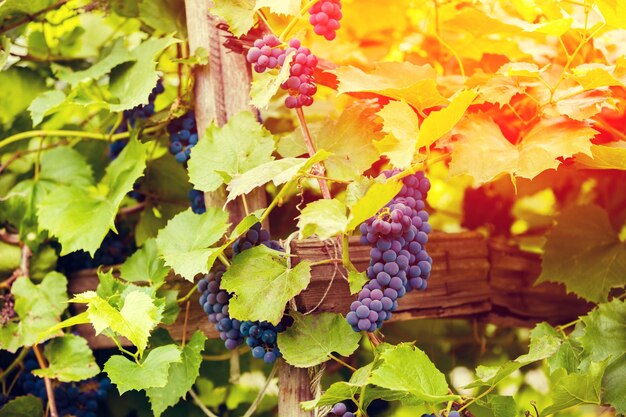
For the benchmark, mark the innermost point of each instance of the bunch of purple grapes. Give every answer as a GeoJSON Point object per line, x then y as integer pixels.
{"type": "Point", "coordinates": [81, 399]}
{"type": "Point", "coordinates": [214, 301]}
{"type": "Point", "coordinates": [268, 54]}
{"type": "Point", "coordinates": [183, 136]}
{"type": "Point", "coordinates": [340, 410]}
{"type": "Point", "coordinates": [113, 250]}
{"type": "Point", "coordinates": [300, 84]}
{"type": "Point", "coordinates": [144, 111]}
{"type": "Point", "coordinates": [130, 117]}
{"type": "Point", "coordinates": [399, 262]}
{"type": "Point", "coordinates": [261, 337]}
{"type": "Point", "coordinates": [325, 16]}
{"type": "Point", "coordinates": [196, 198]}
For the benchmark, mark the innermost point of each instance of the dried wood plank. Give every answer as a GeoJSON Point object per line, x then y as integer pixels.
{"type": "Point", "coordinates": [516, 297]}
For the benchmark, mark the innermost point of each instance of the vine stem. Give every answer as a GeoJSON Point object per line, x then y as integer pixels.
{"type": "Point", "coordinates": [51, 401]}
{"type": "Point", "coordinates": [73, 133]}
{"type": "Point", "coordinates": [261, 393]}
{"type": "Point", "coordinates": [18, 360]}
{"type": "Point", "coordinates": [319, 167]}
{"type": "Point", "coordinates": [491, 388]}
{"type": "Point", "coordinates": [294, 21]}
{"type": "Point", "coordinates": [201, 406]}
{"type": "Point", "coordinates": [188, 295]}
{"type": "Point", "coordinates": [347, 365]}
{"type": "Point", "coordinates": [185, 324]}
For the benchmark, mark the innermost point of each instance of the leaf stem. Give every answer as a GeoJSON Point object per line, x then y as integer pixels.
{"type": "Point", "coordinates": [16, 362]}
{"type": "Point", "coordinates": [487, 391]}
{"type": "Point", "coordinates": [347, 365]}
{"type": "Point", "coordinates": [49, 391]}
{"type": "Point", "coordinates": [223, 259]}
{"type": "Point", "coordinates": [319, 167]}
{"type": "Point", "coordinates": [188, 295]}
{"type": "Point", "coordinates": [182, 344]}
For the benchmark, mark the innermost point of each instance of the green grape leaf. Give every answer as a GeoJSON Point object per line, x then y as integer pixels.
{"type": "Point", "coordinates": [569, 353]}
{"type": "Point", "coordinates": [604, 336]}
{"type": "Point", "coordinates": [261, 273]}
{"type": "Point", "coordinates": [278, 171]}
{"type": "Point", "coordinates": [407, 369]}
{"type": "Point", "coordinates": [45, 104]}
{"type": "Point", "coordinates": [65, 165]}
{"type": "Point", "coordinates": [38, 307]}
{"type": "Point", "coordinates": [145, 265]}
{"type": "Point", "coordinates": [19, 87]}
{"type": "Point", "coordinates": [181, 378]}
{"type": "Point", "coordinates": [323, 334]}
{"type": "Point", "coordinates": [614, 384]}
{"type": "Point", "coordinates": [357, 280]}
{"type": "Point", "coordinates": [324, 218]}
{"type": "Point", "coordinates": [376, 197]}
{"type": "Point", "coordinates": [349, 139]}
{"type": "Point", "coordinates": [246, 223]}
{"type": "Point", "coordinates": [151, 373]}
{"type": "Point", "coordinates": [500, 405]}
{"type": "Point", "coordinates": [577, 388]}
{"type": "Point", "coordinates": [69, 359]}
{"type": "Point", "coordinates": [239, 14]}
{"type": "Point", "coordinates": [118, 54]}
{"type": "Point", "coordinates": [134, 321]}
{"type": "Point", "coordinates": [342, 390]}
{"type": "Point", "coordinates": [223, 152]}
{"type": "Point", "coordinates": [266, 85]}
{"type": "Point", "coordinates": [81, 217]}
{"type": "Point", "coordinates": [132, 83]}
{"type": "Point", "coordinates": [588, 257]}
{"type": "Point", "coordinates": [185, 242]}
{"type": "Point", "coordinates": [23, 406]}
{"type": "Point", "coordinates": [110, 288]}
{"type": "Point", "coordinates": [543, 344]}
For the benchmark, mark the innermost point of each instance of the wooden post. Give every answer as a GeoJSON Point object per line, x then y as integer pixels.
{"type": "Point", "coordinates": [295, 387]}
{"type": "Point", "coordinates": [222, 89]}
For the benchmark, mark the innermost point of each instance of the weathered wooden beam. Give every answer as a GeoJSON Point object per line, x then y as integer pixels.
{"type": "Point", "coordinates": [489, 280]}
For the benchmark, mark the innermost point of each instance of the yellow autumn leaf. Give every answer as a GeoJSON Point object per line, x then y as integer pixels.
{"type": "Point", "coordinates": [440, 122]}
{"type": "Point", "coordinates": [415, 84]}
{"type": "Point", "coordinates": [483, 152]}
{"type": "Point", "coordinates": [604, 157]}
{"type": "Point", "coordinates": [592, 76]}
{"type": "Point", "coordinates": [402, 125]}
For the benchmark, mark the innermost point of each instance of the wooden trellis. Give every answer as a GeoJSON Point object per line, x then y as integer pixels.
{"type": "Point", "coordinates": [483, 279]}
{"type": "Point", "coordinates": [473, 277]}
